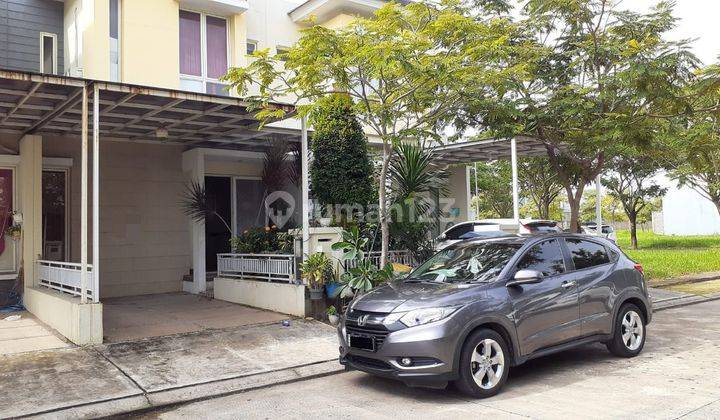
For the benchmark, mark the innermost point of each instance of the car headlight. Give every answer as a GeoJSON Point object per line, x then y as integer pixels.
{"type": "Point", "coordinates": [420, 316]}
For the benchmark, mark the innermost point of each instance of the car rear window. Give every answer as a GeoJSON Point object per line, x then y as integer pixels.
{"type": "Point", "coordinates": [586, 254]}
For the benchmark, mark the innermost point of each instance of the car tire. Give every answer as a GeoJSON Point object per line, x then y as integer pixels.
{"type": "Point", "coordinates": [629, 333]}
{"type": "Point", "coordinates": [484, 364]}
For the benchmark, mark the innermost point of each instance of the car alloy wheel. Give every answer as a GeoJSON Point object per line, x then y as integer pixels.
{"type": "Point", "coordinates": [487, 363]}
{"type": "Point", "coordinates": [633, 330]}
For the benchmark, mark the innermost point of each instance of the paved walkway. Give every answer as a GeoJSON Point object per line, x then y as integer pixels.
{"type": "Point", "coordinates": [21, 332]}
{"type": "Point", "coordinates": [675, 376]}
{"type": "Point", "coordinates": [135, 317]}
{"type": "Point", "coordinates": [134, 375]}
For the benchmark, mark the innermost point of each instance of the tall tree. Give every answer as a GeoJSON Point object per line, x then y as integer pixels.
{"type": "Point", "coordinates": [600, 75]}
{"type": "Point", "coordinates": [540, 183]}
{"type": "Point", "coordinates": [407, 69]}
{"type": "Point", "coordinates": [694, 152]}
{"type": "Point", "coordinates": [631, 182]}
{"type": "Point", "coordinates": [494, 186]}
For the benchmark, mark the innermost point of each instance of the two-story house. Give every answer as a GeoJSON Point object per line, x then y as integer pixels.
{"type": "Point", "coordinates": [110, 197]}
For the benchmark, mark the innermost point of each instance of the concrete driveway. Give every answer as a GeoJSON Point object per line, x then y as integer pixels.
{"type": "Point", "coordinates": [676, 376]}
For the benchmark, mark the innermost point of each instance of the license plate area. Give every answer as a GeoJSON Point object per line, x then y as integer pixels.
{"type": "Point", "coordinates": [361, 342]}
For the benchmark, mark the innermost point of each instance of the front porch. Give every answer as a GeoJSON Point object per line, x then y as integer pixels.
{"type": "Point", "coordinates": [102, 220]}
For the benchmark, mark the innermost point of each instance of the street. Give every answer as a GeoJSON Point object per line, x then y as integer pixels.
{"type": "Point", "coordinates": [675, 376]}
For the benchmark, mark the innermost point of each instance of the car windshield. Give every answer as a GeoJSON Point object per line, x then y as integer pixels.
{"type": "Point", "coordinates": [468, 263]}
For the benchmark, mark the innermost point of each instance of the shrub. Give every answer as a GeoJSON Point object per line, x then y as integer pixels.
{"type": "Point", "coordinates": [261, 240]}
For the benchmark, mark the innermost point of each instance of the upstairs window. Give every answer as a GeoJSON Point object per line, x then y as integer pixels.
{"type": "Point", "coordinates": [251, 47]}
{"type": "Point", "coordinates": [203, 52]}
{"type": "Point", "coordinates": [48, 53]}
{"type": "Point", "coordinates": [115, 40]}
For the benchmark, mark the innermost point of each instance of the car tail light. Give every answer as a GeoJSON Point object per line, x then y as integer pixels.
{"type": "Point", "coordinates": [639, 268]}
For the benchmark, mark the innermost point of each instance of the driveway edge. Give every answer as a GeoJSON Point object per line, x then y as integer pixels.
{"type": "Point", "coordinates": [166, 398]}
{"type": "Point", "coordinates": [686, 301]}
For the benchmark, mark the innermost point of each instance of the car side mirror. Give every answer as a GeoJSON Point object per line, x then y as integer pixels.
{"type": "Point", "coordinates": [441, 238]}
{"type": "Point", "coordinates": [525, 277]}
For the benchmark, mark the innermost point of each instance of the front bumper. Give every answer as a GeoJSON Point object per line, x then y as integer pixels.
{"type": "Point", "coordinates": [431, 348]}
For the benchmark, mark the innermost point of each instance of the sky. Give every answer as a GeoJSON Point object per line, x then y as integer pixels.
{"type": "Point", "coordinates": [698, 20]}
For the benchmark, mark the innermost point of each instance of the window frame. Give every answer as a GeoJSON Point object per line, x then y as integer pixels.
{"type": "Point", "coordinates": [252, 42]}
{"type": "Point", "coordinates": [119, 40]}
{"type": "Point", "coordinates": [65, 170]}
{"type": "Point", "coordinates": [569, 258]}
{"type": "Point", "coordinates": [53, 36]}
{"type": "Point", "coordinates": [563, 255]}
{"type": "Point", "coordinates": [203, 78]}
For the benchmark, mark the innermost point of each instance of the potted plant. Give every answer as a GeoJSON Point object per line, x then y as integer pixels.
{"type": "Point", "coordinates": [317, 270]}
{"type": "Point", "coordinates": [14, 231]}
{"type": "Point", "coordinates": [332, 315]}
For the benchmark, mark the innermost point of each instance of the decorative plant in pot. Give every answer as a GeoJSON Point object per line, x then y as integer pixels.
{"type": "Point", "coordinates": [332, 314]}
{"type": "Point", "coordinates": [360, 274]}
{"type": "Point", "coordinates": [317, 270]}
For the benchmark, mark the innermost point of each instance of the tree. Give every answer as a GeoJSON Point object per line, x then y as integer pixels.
{"type": "Point", "coordinates": [600, 76]}
{"type": "Point", "coordinates": [631, 183]}
{"type": "Point", "coordinates": [407, 70]}
{"type": "Point", "coordinates": [341, 171]}
{"type": "Point", "coordinates": [494, 186]}
{"type": "Point", "coordinates": [695, 149]}
{"type": "Point", "coordinates": [540, 183]}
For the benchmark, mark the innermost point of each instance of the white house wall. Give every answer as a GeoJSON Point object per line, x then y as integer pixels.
{"type": "Point", "coordinates": [686, 212]}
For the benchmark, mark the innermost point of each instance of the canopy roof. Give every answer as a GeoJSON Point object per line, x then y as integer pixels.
{"type": "Point", "coordinates": [486, 150]}
{"type": "Point", "coordinates": [32, 103]}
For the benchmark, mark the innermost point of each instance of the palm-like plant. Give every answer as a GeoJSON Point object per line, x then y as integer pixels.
{"type": "Point", "coordinates": [415, 177]}
{"type": "Point", "coordinates": [198, 206]}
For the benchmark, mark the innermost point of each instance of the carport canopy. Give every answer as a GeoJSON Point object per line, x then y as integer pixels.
{"type": "Point", "coordinates": [470, 152]}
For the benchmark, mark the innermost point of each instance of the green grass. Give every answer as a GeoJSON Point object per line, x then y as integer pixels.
{"type": "Point", "coordinates": [665, 257]}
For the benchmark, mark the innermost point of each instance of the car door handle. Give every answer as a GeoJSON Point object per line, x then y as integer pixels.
{"type": "Point", "coordinates": [568, 284]}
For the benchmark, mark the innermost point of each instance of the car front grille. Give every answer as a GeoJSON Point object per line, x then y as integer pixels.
{"type": "Point", "coordinates": [373, 329]}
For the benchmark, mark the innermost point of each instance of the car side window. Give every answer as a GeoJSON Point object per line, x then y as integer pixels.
{"type": "Point", "coordinates": [586, 254]}
{"type": "Point", "coordinates": [456, 232]}
{"type": "Point", "coordinates": [545, 257]}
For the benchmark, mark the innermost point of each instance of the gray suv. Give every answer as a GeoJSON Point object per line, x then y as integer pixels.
{"type": "Point", "coordinates": [478, 307]}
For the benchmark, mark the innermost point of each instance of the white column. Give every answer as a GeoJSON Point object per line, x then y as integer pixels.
{"type": "Point", "coordinates": [194, 168]}
{"type": "Point", "coordinates": [84, 198]}
{"type": "Point", "coordinates": [477, 200]}
{"type": "Point", "coordinates": [598, 206]}
{"type": "Point", "coordinates": [515, 188]}
{"type": "Point", "coordinates": [96, 195]}
{"type": "Point", "coordinates": [305, 189]}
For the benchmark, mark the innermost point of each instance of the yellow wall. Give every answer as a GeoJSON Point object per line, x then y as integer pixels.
{"type": "Point", "coordinates": [149, 43]}
{"type": "Point", "coordinates": [339, 21]}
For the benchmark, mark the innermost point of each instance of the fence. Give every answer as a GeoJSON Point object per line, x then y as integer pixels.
{"type": "Point", "coordinates": [270, 267]}
{"type": "Point", "coordinates": [399, 257]}
{"type": "Point", "coordinates": [65, 277]}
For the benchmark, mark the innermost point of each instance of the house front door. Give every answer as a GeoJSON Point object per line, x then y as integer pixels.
{"type": "Point", "coordinates": [217, 227]}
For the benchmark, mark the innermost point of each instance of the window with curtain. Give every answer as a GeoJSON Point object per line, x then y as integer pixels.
{"type": "Point", "coordinates": [115, 40]}
{"type": "Point", "coordinates": [203, 52]}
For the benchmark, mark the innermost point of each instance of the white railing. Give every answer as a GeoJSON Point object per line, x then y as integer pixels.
{"type": "Point", "coordinates": [399, 257]}
{"type": "Point", "coordinates": [270, 267]}
{"type": "Point", "coordinates": [65, 277]}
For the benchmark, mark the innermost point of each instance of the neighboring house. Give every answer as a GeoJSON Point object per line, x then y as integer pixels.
{"type": "Point", "coordinates": [164, 118]}
{"type": "Point", "coordinates": [686, 212]}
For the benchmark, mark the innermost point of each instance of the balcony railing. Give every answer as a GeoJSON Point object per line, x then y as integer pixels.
{"type": "Point", "coordinates": [269, 267]}
{"type": "Point", "coordinates": [65, 277]}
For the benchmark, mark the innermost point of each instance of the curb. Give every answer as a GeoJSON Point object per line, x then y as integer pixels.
{"type": "Point", "coordinates": [686, 301]}
{"type": "Point", "coordinates": [698, 278]}
{"type": "Point", "coordinates": [166, 398]}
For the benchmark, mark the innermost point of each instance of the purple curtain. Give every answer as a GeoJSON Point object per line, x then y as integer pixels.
{"type": "Point", "coordinates": [216, 30]}
{"type": "Point", "coordinates": [190, 43]}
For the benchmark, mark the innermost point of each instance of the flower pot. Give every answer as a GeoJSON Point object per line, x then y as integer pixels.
{"type": "Point", "coordinates": [334, 319]}
{"type": "Point", "coordinates": [316, 294]}
{"type": "Point", "coordinates": [325, 221]}
{"type": "Point", "coordinates": [332, 290]}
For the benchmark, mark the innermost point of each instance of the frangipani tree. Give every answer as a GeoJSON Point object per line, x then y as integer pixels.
{"type": "Point", "coordinates": [408, 69]}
